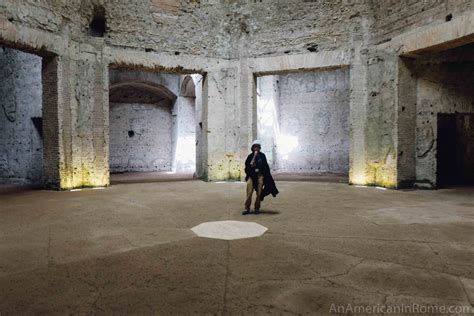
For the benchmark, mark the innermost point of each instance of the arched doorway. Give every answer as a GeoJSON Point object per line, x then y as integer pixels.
{"type": "Point", "coordinates": [153, 126]}
{"type": "Point", "coordinates": [140, 126]}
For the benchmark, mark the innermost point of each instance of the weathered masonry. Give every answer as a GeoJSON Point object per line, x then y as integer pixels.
{"type": "Point", "coordinates": [377, 90]}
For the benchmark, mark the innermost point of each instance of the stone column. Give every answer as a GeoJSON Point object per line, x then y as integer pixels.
{"type": "Point", "coordinates": [221, 126]}
{"type": "Point", "coordinates": [374, 118]}
{"type": "Point", "coordinates": [406, 123]}
{"type": "Point", "coordinates": [76, 122]}
{"type": "Point", "coordinates": [358, 117]}
{"type": "Point", "coordinates": [51, 134]}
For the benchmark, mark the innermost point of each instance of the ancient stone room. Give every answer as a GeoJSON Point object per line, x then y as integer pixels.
{"type": "Point", "coordinates": [236, 157]}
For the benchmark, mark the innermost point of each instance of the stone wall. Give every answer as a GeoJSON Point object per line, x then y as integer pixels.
{"type": "Point", "coordinates": [142, 25]}
{"type": "Point", "coordinates": [140, 137]}
{"type": "Point", "coordinates": [444, 85]}
{"type": "Point", "coordinates": [21, 145]}
{"type": "Point", "coordinates": [217, 28]}
{"type": "Point", "coordinates": [163, 131]}
{"type": "Point", "coordinates": [395, 17]}
{"type": "Point", "coordinates": [230, 43]}
{"type": "Point", "coordinates": [311, 111]}
{"type": "Point", "coordinates": [296, 26]}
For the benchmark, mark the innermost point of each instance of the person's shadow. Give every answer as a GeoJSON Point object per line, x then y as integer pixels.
{"type": "Point", "coordinates": [264, 212]}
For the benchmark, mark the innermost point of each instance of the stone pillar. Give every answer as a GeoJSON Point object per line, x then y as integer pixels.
{"type": "Point", "coordinates": [221, 126]}
{"type": "Point", "coordinates": [358, 117]}
{"type": "Point", "coordinates": [374, 118]}
{"type": "Point", "coordinates": [248, 107]}
{"type": "Point", "coordinates": [198, 79]}
{"type": "Point", "coordinates": [51, 134]}
{"type": "Point", "coordinates": [406, 123]}
{"type": "Point", "coordinates": [76, 116]}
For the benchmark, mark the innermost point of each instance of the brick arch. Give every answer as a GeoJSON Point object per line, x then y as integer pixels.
{"type": "Point", "coordinates": [138, 91]}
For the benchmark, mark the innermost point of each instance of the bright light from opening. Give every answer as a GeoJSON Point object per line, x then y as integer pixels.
{"type": "Point", "coordinates": [186, 153]}
{"type": "Point", "coordinates": [75, 190]}
{"type": "Point", "coordinates": [286, 144]}
{"type": "Point", "coordinates": [381, 188]}
{"type": "Point", "coordinates": [268, 125]}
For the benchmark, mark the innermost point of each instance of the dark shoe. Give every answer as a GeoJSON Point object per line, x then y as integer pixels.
{"type": "Point", "coordinates": [245, 212]}
{"type": "Point", "coordinates": [257, 212]}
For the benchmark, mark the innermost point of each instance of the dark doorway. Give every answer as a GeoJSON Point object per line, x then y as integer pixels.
{"type": "Point", "coordinates": [455, 159]}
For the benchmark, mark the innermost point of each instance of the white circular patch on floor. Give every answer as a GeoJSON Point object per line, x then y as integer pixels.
{"type": "Point", "coordinates": [229, 230]}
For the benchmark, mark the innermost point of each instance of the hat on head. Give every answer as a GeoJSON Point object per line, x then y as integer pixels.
{"type": "Point", "coordinates": [255, 142]}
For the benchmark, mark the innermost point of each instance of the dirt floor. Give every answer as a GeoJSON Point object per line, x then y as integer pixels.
{"type": "Point", "coordinates": [129, 249]}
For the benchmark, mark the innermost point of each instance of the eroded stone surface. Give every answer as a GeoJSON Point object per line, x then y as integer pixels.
{"type": "Point", "coordinates": [21, 145]}
{"type": "Point", "coordinates": [129, 249]}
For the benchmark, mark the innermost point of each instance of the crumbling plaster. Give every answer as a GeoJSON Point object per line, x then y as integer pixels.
{"type": "Point", "coordinates": [21, 144]}
{"type": "Point", "coordinates": [226, 42]}
{"type": "Point", "coordinates": [140, 137]}
{"type": "Point", "coordinates": [444, 85]}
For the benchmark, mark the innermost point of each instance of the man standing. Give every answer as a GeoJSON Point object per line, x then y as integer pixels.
{"type": "Point", "coordinates": [258, 178]}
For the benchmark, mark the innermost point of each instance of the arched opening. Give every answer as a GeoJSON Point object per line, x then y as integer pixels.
{"type": "Point", "coordinates": [152, 126]}
{"type": "Point", "coordinates": [303, 123]}
{"type": "Point", "coordinates": [140, 127]}
{"type": "Point", "coordinates": [98, 22]}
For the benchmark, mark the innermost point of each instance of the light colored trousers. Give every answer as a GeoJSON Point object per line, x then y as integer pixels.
{"type": "Point", "coordinates": [250, 190]}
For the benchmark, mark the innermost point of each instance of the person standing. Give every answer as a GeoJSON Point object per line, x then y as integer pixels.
{"type": "Point", "coordinates": [258, 178]}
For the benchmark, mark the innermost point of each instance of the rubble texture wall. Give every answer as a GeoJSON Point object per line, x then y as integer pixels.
{"type": "Point", "coordinates": [443, 86]}
{"type": "Point", "coordinates": [219, 28]}
{"type": "Point", "coordinates": [159, 135]}
{"type": "Point", "coordinates": [201, 27]}
{"type": "Point", "coordinates": [21, 146]}
{"type": "Point", "coordinates": [229, 43]}
{"type": "Point", "coordinates": [393, 17]}
{"type": "Point", "coordinates": [296, 26]}
{"type": "Point", "coordinates": [140, 137]}
{"type": "Point", "coordinates": [312, 114]}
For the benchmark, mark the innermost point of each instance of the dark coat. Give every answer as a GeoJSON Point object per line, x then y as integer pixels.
{"type": "Point", "coordinates": [269, 186]}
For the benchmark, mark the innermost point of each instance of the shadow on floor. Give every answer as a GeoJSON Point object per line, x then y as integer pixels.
{"type": "Point", "coordinates": [309, 177]}
{"type": "Point", "coordinates": [263, 212]}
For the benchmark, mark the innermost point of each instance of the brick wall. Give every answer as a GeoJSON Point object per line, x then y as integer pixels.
{"type": "Point", "coordinates": [394, 17]}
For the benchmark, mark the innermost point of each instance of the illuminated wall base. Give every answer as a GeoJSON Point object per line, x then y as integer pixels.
{"type": "Point", "coordinates": [375, 174]}
{"type": "Point", "coordinates": [84, 179]}
{"type": "Point", "coordinates": [228, 169]}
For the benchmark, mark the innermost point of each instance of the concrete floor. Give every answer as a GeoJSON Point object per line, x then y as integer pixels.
{"type": "Point", "coordinates": [129, 249]}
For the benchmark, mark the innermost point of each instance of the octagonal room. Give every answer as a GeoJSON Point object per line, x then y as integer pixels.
{"type": "Point", "coordinates": [242, 157]}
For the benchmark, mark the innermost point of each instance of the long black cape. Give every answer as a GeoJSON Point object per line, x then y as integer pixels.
{"type": "Point", "coordinates": [269, 186]}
